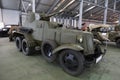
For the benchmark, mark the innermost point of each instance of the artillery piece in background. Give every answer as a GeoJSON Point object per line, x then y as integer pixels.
{"type": "Point", "coordinates": [106, 33]}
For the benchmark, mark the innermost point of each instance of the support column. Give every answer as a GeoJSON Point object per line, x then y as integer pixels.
{"type": "Point", "coordinates": [70, 21]}
{"type": "Point", "coordinates": [80, 14]}
{"type": "Point", "coordinates": [33, 6]}
{"type": "Point", "coordinates": [63, 20]}
{"type": "Point", "coordinates": [56, 19]}
{"type": "Point", "coordinates": [114, 5]}
{"type": "Point", "coordinates": [95, 1]}
{"type": "Point", "coordinates": [50, 19]}
{"type": "Point", "coordinates": [24, 7]}
{"type": "Point", "coordinates": [75, 23]}
{"type": "Point", "coordinates": [105, 12]}
{"type": "Point", "coordinates": [1, 15]}
{"type": "Point", "coordinates": [60, 19]}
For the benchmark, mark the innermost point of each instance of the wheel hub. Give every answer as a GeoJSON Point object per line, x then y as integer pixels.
{"type": "Point", "coordinates": [26, 49]}
{"type": "Point", "coordinates": [70, 61]}
{"type": "Point", "coordinates": [48, 50]}
{"type": "Point", "coordinates": [49, 54]}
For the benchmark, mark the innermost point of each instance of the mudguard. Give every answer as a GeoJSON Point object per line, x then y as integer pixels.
{"type": "Point", "coordinates": [97, 41]}
{"type": "Point", "coordinates": [26, 30]}
{"type": "Point", "coordinates": [75, 47]}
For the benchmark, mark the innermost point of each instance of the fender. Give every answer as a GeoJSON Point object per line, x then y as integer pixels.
{"type": "Point", "coordinates": [26, 30]}
{"type": "Point", "coordinates": [97, 41]}
{"type": "Point", "coordinates": [75, 47]}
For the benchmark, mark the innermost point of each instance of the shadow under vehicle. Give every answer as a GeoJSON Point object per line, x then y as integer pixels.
{"type": "Point", "coordinates": [106, 33]}
{"type": "Point", "coordinates": [73, 48]}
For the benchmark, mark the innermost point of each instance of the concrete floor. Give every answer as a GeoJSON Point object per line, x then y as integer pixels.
{"type": "Point", "coordinates": [15, 66]}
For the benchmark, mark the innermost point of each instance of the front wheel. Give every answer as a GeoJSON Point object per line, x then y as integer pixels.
{"type": "Point", "coordinates": [118, 43]}
{"type": "Point", "coordinates": [72, 62]}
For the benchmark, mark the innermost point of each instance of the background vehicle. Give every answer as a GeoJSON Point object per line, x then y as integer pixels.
{"type": "Point", "coordinates": [73, 48]}
{"type": "Point", "coordinates": [4, 32]}
{"type": "Point", "coordinates": [11, 31]}
{"type": "Point", "coordinates": [106, 33]}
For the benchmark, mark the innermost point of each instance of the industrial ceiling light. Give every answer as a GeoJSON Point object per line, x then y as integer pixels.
{"type": "Point", "coordinates": [89, 8]}
{"type": "Point", "coordinates": [117, 21]}
{"type": "Point", "coordinates": [77, 15]}
{"type": "Point", "coordinates": [86, 10]}
{"type": "Point", "coordinates": [67, 5]}
{"type": "Point", "coordinates": [88, 4]}
{"type": "Point", "coordinates": [29, 4]}
{"type": "Point", "coordinates": [91, 14]}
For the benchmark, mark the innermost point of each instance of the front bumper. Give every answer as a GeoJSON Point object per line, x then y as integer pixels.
{"type": "Point", "coordinates": [94, 58]}
{"type": "Point", "coordinates": [98, 59]}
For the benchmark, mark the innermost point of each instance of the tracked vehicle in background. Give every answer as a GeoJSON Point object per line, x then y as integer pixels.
{"type": "Point", "coordinates": [73, 48]}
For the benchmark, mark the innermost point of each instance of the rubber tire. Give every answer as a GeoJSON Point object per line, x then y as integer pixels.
{"type": "Point", "coordinates": [118, 43]}
{"type": "Point", "coordinates": [18, 42]}
{"type": "Point", "coordinates": [53, 46]}
{"type": "Point", "coordinates": [98, 49]}
{"type": "Point", "coordinates": [80, 59]}
{"type": "Point", "coordinates": [10, 37]}
{"type": "Point", "coordinates": [29, 49]}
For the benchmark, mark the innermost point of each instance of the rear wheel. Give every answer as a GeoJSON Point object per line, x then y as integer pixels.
{"type": "Point", "coordinates": [25, 48]}
{"type": "Point", "coordinates": [18, 41]}
{"type": "Point", "coordinates": [118, 43]}
{"type": "Point", "coordinates": [47, 48]}
{"type": "Point", "coordinates": [72, 62]}
{"type": "Point", "coordinates": [10, 37]}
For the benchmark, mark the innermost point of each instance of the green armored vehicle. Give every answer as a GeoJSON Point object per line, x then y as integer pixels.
{"type": "Point", "coordinates": [106, 33]}
{"type": "Point", "coordinates": [73, 48]}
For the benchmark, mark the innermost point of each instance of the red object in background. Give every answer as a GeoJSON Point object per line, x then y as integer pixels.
{"type": "Point", "coordinates": [84, 27]}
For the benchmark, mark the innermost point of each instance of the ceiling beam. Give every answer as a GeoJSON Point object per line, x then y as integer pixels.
{"type": "Point", "coordinates": [74, 8]}
{"type": "Point", "coordinates": [52, 7]}
{"type": "Point", "coordinates": [44, 4]}
{"type": "Point", "coordinates": [37, 4]}
{"type": "Point", "coordinates": [1, 4]}
{"type": "Point", "coordinates": [20, 5]}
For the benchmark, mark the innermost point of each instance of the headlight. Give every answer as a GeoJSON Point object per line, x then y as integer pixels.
{"type": "Point", "coordinates": [81, 40]}
{"type": "Point", "coordinates": [104, 34]}
{"type": "Point", "coordinates": [4, 29]}
{"type": "Point", "coordinates": [13, 31]}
